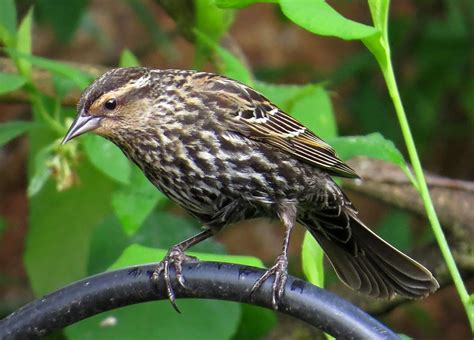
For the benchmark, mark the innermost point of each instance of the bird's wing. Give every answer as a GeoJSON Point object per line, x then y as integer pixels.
{"type": "Point", "coordinates": [257, 118]}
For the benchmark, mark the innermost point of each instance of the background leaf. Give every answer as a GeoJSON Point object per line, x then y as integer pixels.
{"type": "Point", "coordinates": [77, 76]}
{"type": "Point", "coordinates": [309, 104]}
{"type": "Point", "coordinates": [23, 44]}
{"type": "Point", "coordinates": [138, 254]}
{"type": "Point", "coordinates": [312, 259]}
{"type": "Point", "coordinates": [160, 230]}
{"type": "Point", "coordinates": [231, 65]}
{"type": "Point", "coordinates": [255, 323]}
{"type": "Point", "coordinates": [10, 130]}
{"type": "Point", "coordinates": [134, 202]}
{"type": "Point", "coordinates": [373, 145]}
{"type": "Point", "coordinates": [128, 59]}
{"type": "Point", "coordinates": [60, 228]}
{"type": "Point", "coordinates": [318, 17]}
{"type": "Point", "coordinates": [240, 3]}
{"type": "Point", "coordinates": [64, 16]}
{"type": "Point", "coordinates": [10, 82]}
{"type": "Point", "coordinates": [8, 16]}
{"type": "Point", "coordinates": [3, 225]}
{"type": "Point", "coordinates": [40, 172]}
{"type": "Point", "coordinates": [211, 20]}
{"type": "Point", "coordinates": [395, 228]}
{"type": "Point", "coordinates": [107, 158]}
{"type": "Point", "coordinates": [200, 319]}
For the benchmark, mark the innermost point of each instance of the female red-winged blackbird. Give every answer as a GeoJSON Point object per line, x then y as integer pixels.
{"type": "Point", "coordinates": [225, 153]}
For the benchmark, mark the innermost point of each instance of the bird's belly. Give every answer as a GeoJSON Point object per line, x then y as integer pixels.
{"type": "Point", "coordinates": [206, 180]}
{"type": "Point", "coordinates": [200, 189]}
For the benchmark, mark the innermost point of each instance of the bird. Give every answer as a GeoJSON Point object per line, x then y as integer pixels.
{"type": "Point", "coordinates": [225, 153]}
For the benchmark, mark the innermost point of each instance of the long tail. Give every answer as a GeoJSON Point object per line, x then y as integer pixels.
{"type": "Point", "coordinates": [364, 261]}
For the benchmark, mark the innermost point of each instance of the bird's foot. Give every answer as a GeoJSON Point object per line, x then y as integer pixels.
{"type": "Point", "coordinates": [280, 271]}
{"type": "Point", "coordinates": [175, 257]}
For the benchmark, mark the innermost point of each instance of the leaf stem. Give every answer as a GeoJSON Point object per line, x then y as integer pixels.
{"type": "Point", "coordinates": [423, 188]}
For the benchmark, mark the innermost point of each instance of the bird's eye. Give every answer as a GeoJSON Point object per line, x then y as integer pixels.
{"type": "Point", "coordinates": [110, 104]}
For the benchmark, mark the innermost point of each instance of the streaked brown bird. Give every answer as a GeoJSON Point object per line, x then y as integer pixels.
{"type": "Point", "coordinates": [225, 153]}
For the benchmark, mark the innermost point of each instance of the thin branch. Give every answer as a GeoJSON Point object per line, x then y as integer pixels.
{"type": "Point", "coordinates": [208, 280]}
{"type": "Point", "coordinates": [453, 199]}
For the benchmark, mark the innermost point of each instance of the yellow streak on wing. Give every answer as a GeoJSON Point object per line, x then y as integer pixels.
{"type": "Point", "coordinates": [316, 143]}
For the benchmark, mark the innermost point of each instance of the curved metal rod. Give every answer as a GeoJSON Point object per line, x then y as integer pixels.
{"type": "Point", "coordinates": [208, 280]}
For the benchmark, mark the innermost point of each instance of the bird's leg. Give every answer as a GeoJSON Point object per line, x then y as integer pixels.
{"type": "Point", "coordinates": [176, 257]}
{"type": "Point", "coordinates": [280, 268]}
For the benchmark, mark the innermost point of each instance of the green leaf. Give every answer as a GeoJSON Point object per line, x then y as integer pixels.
{"type": "Point", "coordinates": [379, 11]}
{"type": "Point", "coordinates": [318, 17]}
{"type": "Point", "coordinates": [211, 20]}
{"type": "Point", "coordinates": [373, 145]}
{"type": "Point", "coordinates": [395, 228]}
{"type": "Point", "coordinates": [3, 225]}
{"type": "Point", "coordinates": [10, 82]}
{"type": "Point", "coordinates": [10, 130]}
{"type": "Point", "coordinates": [312, 260]}
{"type": "Point", "coordinates": [138, 254]}
{"type": "Point", "coordinates": [62, 86]}
{"type": "Point", "coordinates": [64, 16]}
{"type": "Point", "coordinates": [160, 230]}
{"type": "Point", "coordinates": [315, 111]}
{"type": "Point", "coordinates": [200, 319]}
{"type": "Point", "coordinates": [163, 229]}
{"type": "Point", "coordinates": [61, 224]}
{"type": "Point", "coordinates": [107, 158]}
{"type": "Point", "coordinates": [240, 3]}
{"type": "Point", "coordinates": [232, 67]}
{"type": "Point", "coordinates": [378, 48]}
{"type": "Point", "coordinates": [107, 244]}
{"type": "Point", "coordinates": [23, 44]}
{"type": "Point", "coordinates": [41, 171]}
{"type": "Point", "coordinates": [128, 59]}
{"type": "Point", "coordinates": [309, 104]}
{"type": "Point", "coordinates": [405, 337]}
{"type": "Point", "coordinates": [80, 78]}
{"type": "Point", "coordinates": [159, 36]}
{"type": "Point", "coordinates": [255, 323]}
{"type": "Point", "coordinates": [132, 204]}
{"type": "Point", "coordinates": [378, 43]}
{"type": "Point", "coordinates": [8, 16]}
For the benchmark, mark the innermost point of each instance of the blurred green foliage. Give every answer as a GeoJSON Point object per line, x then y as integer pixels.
{"type": "Point", "coordinates": [90, 209]}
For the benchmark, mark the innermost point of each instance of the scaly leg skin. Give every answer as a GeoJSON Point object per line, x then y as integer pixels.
{"type": "Point", "coordinates": [177, 257]}
{"type": "Point", "coordinates": [280, 268]}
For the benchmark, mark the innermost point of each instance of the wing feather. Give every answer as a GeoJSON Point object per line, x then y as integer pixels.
{"type": "Point", "coordinates": [257, 118]}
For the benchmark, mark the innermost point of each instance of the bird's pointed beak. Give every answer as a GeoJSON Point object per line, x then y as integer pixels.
{"type": "Point", "coordinates": [82, 124]}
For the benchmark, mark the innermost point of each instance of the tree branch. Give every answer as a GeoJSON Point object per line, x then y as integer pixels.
{"type": "Point", "coordinates": [208, 280]}
{"type": "Point", "coordinates": [453, 199]}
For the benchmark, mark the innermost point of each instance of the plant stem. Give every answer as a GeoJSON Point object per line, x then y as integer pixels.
{"type": "Point", "coordinates": [423, 190]}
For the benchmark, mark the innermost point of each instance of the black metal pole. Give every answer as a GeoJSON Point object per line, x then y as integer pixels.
{"type": "Point", "coordinates": [207, 280]}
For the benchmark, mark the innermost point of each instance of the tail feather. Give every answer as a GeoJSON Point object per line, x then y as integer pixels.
{"type": "Point", "coordinates": [367, 263]}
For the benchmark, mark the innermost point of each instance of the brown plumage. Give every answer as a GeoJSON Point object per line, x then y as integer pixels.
{"type": "Point", "coordinates": [225, 153]}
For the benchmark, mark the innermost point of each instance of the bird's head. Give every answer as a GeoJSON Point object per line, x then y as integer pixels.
{"type": "Point", "coordinates": [112, 102]}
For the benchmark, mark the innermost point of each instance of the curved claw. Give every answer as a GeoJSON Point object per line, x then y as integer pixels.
{"type": "Point", "coordinates": [175, 257]}
{"type": "Point", "coordinates": [279, 269]}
